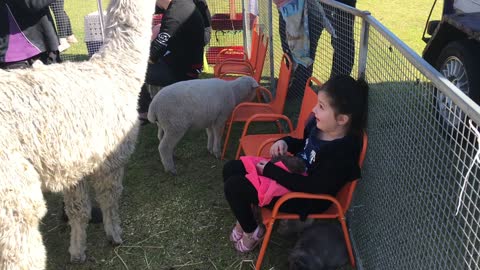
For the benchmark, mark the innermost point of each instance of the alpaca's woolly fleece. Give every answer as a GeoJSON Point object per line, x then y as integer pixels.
{"type": "Point", "coordinates": [64, 124]}
{"type": "Point", "coordinates": [201, 103]}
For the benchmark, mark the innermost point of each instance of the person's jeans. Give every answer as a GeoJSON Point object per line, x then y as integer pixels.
{"type": "Point", "coordinates": [343, 45]}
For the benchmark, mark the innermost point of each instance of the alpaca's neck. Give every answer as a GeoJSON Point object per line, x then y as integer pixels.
{"type": "Point", "coordinates": [127, 38]}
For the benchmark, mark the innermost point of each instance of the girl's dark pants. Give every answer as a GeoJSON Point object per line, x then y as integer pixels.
{"type": "Point", "coordinates": [241, 195]}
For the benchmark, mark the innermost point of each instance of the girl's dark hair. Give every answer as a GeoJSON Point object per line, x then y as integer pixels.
{"type": "Point", "coordinates": [349, 96]}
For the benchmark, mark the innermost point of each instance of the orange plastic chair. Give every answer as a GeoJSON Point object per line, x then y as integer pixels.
{"type": "Point", "coordinates": [340, 204]}
{"type": "Point", "coordinates": [226, 72]}
{"type": "Point", "coordinates": [245, 110]}
{"type": "Point", "coordinates": [233, 55]}
{"type": "Point", "coordinates": [256, 144]}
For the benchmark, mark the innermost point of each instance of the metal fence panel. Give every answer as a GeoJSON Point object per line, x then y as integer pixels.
{"type": "Point", "coordinates": [420, 167]}
{"type": "Point", "coordinates": [79, 19]}
{"type": "Point", "coordinates": [404, 212]}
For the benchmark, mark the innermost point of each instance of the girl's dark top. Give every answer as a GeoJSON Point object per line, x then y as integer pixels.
{"type": "Point", "coordinates": [330, 165]}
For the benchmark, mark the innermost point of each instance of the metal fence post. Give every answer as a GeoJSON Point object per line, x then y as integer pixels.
{"type": "Point", "coordinates": [246, 47]}
{"type": "Point", "coordinates": [102, 21]}
{"type": "Point", "coordinates": [363, 50]}
{"type": "Point", "coordinates": [272, 57]}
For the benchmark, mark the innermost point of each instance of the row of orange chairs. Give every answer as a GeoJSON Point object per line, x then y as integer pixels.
{"type": "Point", "coordinates": [229, 68]}
{"type": "Point", "coordinates": [259, 144]}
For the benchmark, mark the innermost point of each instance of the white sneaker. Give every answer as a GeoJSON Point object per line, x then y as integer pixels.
{"type": "Point", "coordinates": [63, 45]}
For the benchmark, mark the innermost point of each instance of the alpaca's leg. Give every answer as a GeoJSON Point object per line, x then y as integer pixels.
{"type": "Point", "coordinates": [209, 139]}
{"type": "Point", "coordinates": [217, 131]}
{"type": "Point", "coordinates": [108, 189]}
{"type": "Point", "coordinates": [166, 147]}
{"type": "Point", "coordinates": [77, 208]}
{"type": "Point", "coordinates": [21, 209]}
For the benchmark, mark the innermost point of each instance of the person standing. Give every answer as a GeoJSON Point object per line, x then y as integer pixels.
{"type": "Point", "coordinates": [343, 42]}
{"type": "Point", "coordinates": [27, 34]}
{"type": "Point", "coordinates": [176, 53]}
{"type": "Point", "coordinates": [64, 26]}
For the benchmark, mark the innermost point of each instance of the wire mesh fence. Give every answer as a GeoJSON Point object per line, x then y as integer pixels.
{"type": "Point", "coordinates": [421, 166]}
{"type": "Point", "coordinates": [418, 205]}
{"type": "Point", "coordinates": [79, 27]}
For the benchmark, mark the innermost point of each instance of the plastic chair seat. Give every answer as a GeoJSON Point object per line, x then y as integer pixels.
{"type": "Point", "coordinates": [330, 213]}
{"type": "Point", "coordinates": [250, 143]}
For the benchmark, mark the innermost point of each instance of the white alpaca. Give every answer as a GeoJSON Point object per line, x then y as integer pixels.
{"type": "Point", "coordinates": [67, 123]}
{"type": "Point", "coordinates": [201, 103]}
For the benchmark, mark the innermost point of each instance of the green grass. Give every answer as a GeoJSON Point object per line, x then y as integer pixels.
{"type": "Point", "coordinates": [183, 222]}
{"type": "Point", "coordinates": [406, 19]}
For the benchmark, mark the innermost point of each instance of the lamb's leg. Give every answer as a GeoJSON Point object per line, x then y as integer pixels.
{"type": "Point", "coordinates": [210, 139]}
{"type": "Point", "coordinates": [217, 130]}
{"type": "Point", "coordinates": [78, 208]}
{"type": "Point", "coordinates": [160, 132]}
{"type": "Point", "coordinates": [108, 189]}
{"type": "Point", "coordinates": [21, 209]}
{"type": "Point", "coordinates": [167, 145]}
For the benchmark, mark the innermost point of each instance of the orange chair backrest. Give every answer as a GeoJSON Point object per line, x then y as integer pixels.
{"type": "Point", "coordinates": [308, 102]}
{"type": "Point", "coordinates": [255, 43]}
{"type": "Point", "coordinates": [282, 84]}
{"type": "Point", "coordinates": [344, 196]}
{"type": "Point", "coordinates": [261, 54]}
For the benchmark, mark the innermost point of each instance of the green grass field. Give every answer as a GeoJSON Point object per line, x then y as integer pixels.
{"type": "Point", "coordinates": [183, 222]}
{"type": "Point", "coordinates": [406, 19]}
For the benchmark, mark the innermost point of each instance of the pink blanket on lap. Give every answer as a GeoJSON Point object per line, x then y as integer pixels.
{"type": "Point", "coordinates": [267, 188]}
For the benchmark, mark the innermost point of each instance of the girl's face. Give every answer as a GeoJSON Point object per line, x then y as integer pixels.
{"type": "Point", "coordinates": [327, 121]}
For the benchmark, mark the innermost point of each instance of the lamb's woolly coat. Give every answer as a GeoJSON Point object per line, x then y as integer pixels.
{"type": "Point", "coordinates": [64, 123]}
{"type": "Point", "coordinates": [201, 103]}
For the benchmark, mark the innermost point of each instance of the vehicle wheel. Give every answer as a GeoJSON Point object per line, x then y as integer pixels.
{"type": "Point", "coordinates": [459, 62]}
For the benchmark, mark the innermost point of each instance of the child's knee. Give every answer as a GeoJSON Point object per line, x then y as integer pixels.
{"type": "Point", "coordinates": [231, 168]}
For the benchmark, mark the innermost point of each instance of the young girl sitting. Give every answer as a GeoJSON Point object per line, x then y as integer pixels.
{"type": "Point", "coordinates": [330, 148]}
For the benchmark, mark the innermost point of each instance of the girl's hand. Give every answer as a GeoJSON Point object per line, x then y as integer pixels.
{"type": "Point", "coordinates": [278, 148]}
{"type": "Point", "coordinates": [260, 165]}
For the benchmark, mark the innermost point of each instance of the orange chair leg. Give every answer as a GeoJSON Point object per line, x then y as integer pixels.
{"type": "Point", "coordinates": [347, 241]}
{"type": "Point", "coordinates": [227, 136]}
{"type": "Point", "coordinates": [266, 239]}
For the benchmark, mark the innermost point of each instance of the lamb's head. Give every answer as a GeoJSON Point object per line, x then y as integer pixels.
{"type": "Point", "coordinates": [244, 89]}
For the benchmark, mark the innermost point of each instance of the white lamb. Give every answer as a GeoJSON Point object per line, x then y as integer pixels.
{"type": "Point", "coordinates": [202, 103]}
{"type": "Point", "coordinates": [67, 123]}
